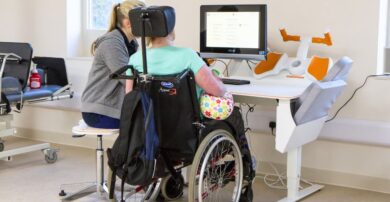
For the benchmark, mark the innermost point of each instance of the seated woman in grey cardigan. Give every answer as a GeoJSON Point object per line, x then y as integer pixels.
{"type": "Point", "coordinates": [102, 98]}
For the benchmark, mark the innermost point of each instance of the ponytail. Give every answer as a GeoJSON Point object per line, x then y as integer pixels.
{"type": "Point", "coordinates": [114, 21]}
{"type": "Point", "coordinates": [119, 12]}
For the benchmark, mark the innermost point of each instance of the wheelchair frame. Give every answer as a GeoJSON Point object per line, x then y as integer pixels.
{"type": "Point", "coordinates": [205, 146]}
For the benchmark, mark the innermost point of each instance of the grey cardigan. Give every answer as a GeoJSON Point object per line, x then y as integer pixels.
{"type": "Point", "coordinates": [103, 95]}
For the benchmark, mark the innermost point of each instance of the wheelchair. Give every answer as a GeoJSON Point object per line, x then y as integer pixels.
{"type": "Point", "coordinates": [214, 149]}
{"type": "Point", "coordinates": [209, 146]}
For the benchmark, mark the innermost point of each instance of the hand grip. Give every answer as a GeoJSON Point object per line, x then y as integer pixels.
{"type": "Point", "coordinates": [118, 73]}
{"type": "Point", "coordinates": [287, 37]}
{"type": "Point", "coordinates": [327, 39]}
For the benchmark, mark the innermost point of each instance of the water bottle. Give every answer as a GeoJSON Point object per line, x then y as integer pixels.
{"type": "Point", "coordinates": [35, 79]}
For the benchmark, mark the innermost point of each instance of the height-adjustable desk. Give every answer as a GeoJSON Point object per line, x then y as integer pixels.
{"type": "Point", "coordinates": [289, 137]}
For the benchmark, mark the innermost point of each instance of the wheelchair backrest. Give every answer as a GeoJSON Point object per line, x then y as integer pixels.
{"type": "Point", "coordinates": [176, 110]}
{"type": "Point", "coordinates": [18, 69]}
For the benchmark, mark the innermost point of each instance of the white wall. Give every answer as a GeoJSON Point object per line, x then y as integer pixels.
{"type": "Point", "coordinates": [12, 25]}
{"type": "Point", "coordinates": [353, 24]}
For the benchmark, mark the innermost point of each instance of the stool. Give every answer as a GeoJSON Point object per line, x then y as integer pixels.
{"type": "Point", "coordinates": [99, 186]}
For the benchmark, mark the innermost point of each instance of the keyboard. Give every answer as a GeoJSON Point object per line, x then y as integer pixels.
{"type": "Point", "coordinates": [235, 81]}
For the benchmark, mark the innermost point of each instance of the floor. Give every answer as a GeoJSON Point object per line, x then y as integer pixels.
{"type": "Point", "coordinates": [28, 178]}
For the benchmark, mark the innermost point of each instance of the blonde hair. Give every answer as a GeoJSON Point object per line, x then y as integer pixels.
{"type": "Point", "coordinates": [118, 13]}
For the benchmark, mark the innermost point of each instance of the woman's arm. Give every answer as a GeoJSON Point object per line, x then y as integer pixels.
{"type": "Point", "coordinates": [210, 83]}
{"type": "Point", "coordinates": [129, 86]}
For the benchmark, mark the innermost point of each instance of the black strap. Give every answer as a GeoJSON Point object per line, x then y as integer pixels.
{"type": "Point", "coordinates": [123, 185]}
{"type": "Point", "coordinates": [131, 46]}
{"type": "Point", "coordinates": [112, 185]}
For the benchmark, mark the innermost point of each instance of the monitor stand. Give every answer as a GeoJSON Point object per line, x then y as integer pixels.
{"type": "Point", "coordinates": [239, 67]}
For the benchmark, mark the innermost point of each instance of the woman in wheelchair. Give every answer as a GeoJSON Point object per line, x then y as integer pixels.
{"type": "Point", "coordinates": [222, 167]}
{"type": "Point", "coordinates": [166, 59]}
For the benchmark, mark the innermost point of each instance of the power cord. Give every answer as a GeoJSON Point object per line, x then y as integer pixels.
{"type": "Point", "coordinates": [214, 61]}
{"type": "Point", "coordinates": [247, 128]}
{"type": "Point", "coordinates": [353, 94]}
{"type": "Point", "coordinates": [278, 180]}
{"type": "Point", "coordinates": [250, 67]}
{"type": "Point", "coordinates": [249, 62]}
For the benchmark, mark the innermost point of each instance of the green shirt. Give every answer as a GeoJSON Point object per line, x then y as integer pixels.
{"type": "Point", "coordinates": [168, 60]}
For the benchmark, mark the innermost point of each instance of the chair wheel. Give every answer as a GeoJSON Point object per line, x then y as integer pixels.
{"type": "Point", "coordinates": [171, 188]}
{"type": "Point", "coordinates": [51, 157]}
{"type": "Point", "coordinates": [62, 193]}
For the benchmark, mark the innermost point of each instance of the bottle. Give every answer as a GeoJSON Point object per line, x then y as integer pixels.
{"type": "Point", "coordinates": [35, 79]}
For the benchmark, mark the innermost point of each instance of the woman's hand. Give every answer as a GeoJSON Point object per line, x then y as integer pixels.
{"type": "Point", "coordinates": [129, 86]}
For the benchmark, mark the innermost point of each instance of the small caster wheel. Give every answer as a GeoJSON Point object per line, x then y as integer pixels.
{"type": "Point", "coordinates": [62, 193]}
{"type": "Point", "coordinates": [171, 188]}
{"type": "Point", "coordinates": [1, 146]}
{"type": "Point", "coordinates": [51, 157]}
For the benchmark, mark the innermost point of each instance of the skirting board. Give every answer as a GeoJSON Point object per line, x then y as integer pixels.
{"type": "Point", "coordinates": [331, 178]}
{"type": "Point", "coordinates": [315, 175]}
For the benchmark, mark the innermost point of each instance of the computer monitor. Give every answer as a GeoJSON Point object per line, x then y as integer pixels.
{"type": "Point", "coordinates": [233, 31]}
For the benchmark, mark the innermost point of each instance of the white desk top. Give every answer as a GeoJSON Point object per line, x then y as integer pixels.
{"type": "Point", "coordinates": [275, 87]}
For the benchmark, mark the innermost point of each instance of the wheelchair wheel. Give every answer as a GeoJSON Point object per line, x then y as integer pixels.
{"type": "Point", "coordinates": [217, 170]}
{"type": "Point", "coordinates": [171, 188]}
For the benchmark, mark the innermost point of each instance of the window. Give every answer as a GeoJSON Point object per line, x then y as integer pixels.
{"type": "Point", "coordinates": [99, 13]}
{"type": "Point", "coordinates": [384, 37]}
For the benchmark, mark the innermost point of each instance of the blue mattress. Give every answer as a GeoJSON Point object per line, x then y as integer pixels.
{"type": "Point", "coordinates": [31, 94]}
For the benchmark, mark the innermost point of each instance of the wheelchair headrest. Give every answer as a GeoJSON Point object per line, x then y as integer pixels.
{"type": "Point", "coordinates": [160, 20]}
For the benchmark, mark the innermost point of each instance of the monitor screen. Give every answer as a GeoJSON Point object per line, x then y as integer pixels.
{"type": "Point", "coordinates": [233, 31]}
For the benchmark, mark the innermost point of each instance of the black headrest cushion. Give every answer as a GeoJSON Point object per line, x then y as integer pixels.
{"type": "Point", "coordinates": [161, 20]}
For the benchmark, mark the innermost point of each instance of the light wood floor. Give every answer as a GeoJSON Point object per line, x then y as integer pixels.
{"type": "Point", "coordinates": [27, 178]}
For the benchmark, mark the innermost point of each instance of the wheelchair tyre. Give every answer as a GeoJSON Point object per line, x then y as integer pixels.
{"type": "Point", "coordinates": [171, 188]}
{"type": "Point", "coordinates": [217, 170]}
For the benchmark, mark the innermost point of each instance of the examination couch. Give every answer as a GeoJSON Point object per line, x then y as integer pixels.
{"type": "Point", "coordinates": [16, 61]}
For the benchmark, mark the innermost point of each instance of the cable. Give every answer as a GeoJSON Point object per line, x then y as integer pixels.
{"type": "Point", "coordinates": [279, 180]}
{"type": "Point", "coordinates": [247, 128]}
{"type": "Point", "coordinates": [255, 62]}
{"type": "Point", "coordinates": [250, 109]}
{"type": "Point", "coordinates": [353, 94]}
{"type": "Point", "coordinates": [222, 62]}
{"type": "Point", "coordinates": [226, 67]}
{"type": "Point", "coordinates": [250, 67]}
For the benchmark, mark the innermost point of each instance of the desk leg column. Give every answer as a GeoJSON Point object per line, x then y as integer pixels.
{"type": "Point", "coordinates": [294, 163]}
